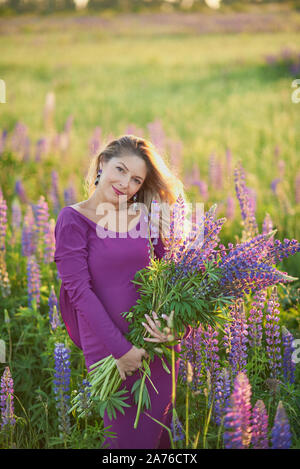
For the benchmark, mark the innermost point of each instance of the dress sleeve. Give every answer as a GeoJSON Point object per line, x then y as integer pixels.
{"type": "Point", "coordinates": [159, 250]}
{"type": "Point", "coordinates": [71, 260]}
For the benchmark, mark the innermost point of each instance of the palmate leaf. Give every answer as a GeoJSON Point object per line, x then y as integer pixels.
{"type": "Point", "coordinates": [113, 403]}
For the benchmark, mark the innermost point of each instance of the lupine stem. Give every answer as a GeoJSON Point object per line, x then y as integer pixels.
{"type": "Point", "coordinates": [187, 416]}
{"type": "Point", "coordinates": [140, 400]}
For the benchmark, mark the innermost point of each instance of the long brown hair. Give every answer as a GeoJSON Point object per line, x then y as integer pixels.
{"type": "Point", "coordinates": [160, 183]}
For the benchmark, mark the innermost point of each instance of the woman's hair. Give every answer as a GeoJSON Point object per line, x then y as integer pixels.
{"type": "Point", "coordinates": [160, 183]}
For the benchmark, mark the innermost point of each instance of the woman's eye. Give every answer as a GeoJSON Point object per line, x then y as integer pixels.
{"type": "Point", "coordinates": [137, 180]}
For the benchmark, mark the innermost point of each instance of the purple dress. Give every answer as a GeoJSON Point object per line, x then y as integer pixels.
{"type": "Point", "coordinates": [96, 267]}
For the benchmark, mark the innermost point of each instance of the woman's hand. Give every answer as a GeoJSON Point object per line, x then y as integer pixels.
{"type": "Point", "coordinates": [131, 361]}
{"type": "Point", "coordinates": [157, 335]}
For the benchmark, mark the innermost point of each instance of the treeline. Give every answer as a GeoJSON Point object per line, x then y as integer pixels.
{"type": "Point", "coordinates": [51, 6]}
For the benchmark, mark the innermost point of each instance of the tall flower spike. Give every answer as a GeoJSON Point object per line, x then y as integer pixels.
{"type": "Point", "coordinates": [237, 425]}
{"type": "Point", "coordinates": [238, 332]}
{"type": "Point", "coordinates": [246, 204]}
{"type": "Point", "coordinates": [255, 319]}
{"type": "Point", "coordinates": [223, 391]}
{"type": "Point", "coordinates": [289, 366]}
{"type": "Point", "coordinates": [272, 331]}
{"type": "Point", "coordinates": [33, 280]}
{"type": "Point", "coordinates": [259, 420]}
{"type": "Point", "coordinates": [61, 386]}
{"type": "Point", "coordinates": [53, 309]}
{"type": "Point", "coordinates": [281, 434]}
{"type": "Point", "coordinates": [7, 399]}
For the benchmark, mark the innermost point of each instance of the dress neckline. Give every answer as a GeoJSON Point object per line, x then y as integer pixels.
{"type": "Point", "coordinates": [106, 229]}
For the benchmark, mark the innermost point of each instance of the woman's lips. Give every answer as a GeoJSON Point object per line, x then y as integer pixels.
{"type": "Point", "coordinates": [117, 192]}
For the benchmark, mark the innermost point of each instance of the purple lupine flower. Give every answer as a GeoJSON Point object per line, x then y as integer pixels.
{"type": "Point", "coordinates": [297, 188]}
{"type": "Point", "coordinates": [219, 175]}
{"type": "Point", "coordinates": [276, 152]}
{"type": "Point", "coordinates": [195, 174]}
{"type": "Point", "coordinates": [70, 195]}
{"type": "Point", "coordinates": [33, 281]}
{"type": "Point", "coordinates": [203, 188]}
{"type": "Point", "coordinates": [267, 224]}
{"type": "Point", "coordinates": [41, 148]}
{"type": "Point", "coordinates": [270, 59]}
{"type": "Point", "coordinates": [248, 265]}
{"type": "Point", "coordinates": [26, 149]}
{"type": "Point", "coordinates": [288, 365]}
{"type": "Point", "coordinates": [237, 421]}
{"type": "Point", "coordinates": [222, 394]}
{"type": "Point", "coordinates": [157, 135]}
{"type": "Point", "coordinates": [177, 432]}
{"type": "Point", "coordinates": [278, 251]}
{"type": "Point", "coordinates": [62, 386]}
{"type": "Point", "coordinates": [274, 185]}
{"type": "Point", "coordinates": [259, 420]}
{"type": "Point", "coordinates": [132, 129]}
{"type": "Point", "coordinates": [281, 168]}
{"type": "Point", "coordinates": [3, 139]}
{"type": "Point", "coordinates": [193, 352]}
{"type": "Point", "coordinates": [85, 394]}
{"type": "Point", "coordinates": [18, 137]}
{"type": "Point", "coordinates": [281, 435]}
{"type": "Point", "coordinates": [246, 202]}
{"type": "Point", "coordinates": [95, 142]}
{"type": "Point", "coordinates": [255, 319]}
{"type": "Point", "coordinates": [212, 170]}
{"type": "Point", "coordinates": [41, 212]}
{"type": "Point", "coordinates": [7, 399]}
{"type": "Point", "coordinates": [175, 152]}
{"type": "Point", "coordinates": [229, 163]}
{"type": "Point", "coordinates": [272, 331]}
{"type": "Point", "coordinates": [20, 191]}
{"type": "Point", "coordinates": [53, 309]}
{"type": "Point", "coordinates": [68, 124]}
{"type": "Point", "coordinates": [3, 223]}
{"type": "Point", "coordinates": [295, 69]}
{"type": "Point", "coordinates": [16, 214]}
{"type": "Point", "coordinates": [29, 233]}
{"type": "Point", "coordinates": [237, 353]}
{"type": "Point", "coordinates": [230, 206]}
{"type": "Point", "coordinates": [49, 247]}
{"type": "Point", "coordinates": [54, 196]}
{"type": "Point", "coordinates": [212, 359]}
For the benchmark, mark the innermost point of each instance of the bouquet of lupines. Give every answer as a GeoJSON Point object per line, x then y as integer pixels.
{"type": "Point", "coordinates": [195, 282]}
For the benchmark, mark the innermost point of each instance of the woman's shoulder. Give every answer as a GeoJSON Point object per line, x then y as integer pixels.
{"type": "Point", "coordinates": [67, 218]}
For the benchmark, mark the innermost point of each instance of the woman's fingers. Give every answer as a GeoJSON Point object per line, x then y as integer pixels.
{"type": "Point", "coordinates": [156, 318]}
{"type": "Point", "coordinates": [151, 331]}
{"type": "Point", "coordinates": [152, 323]}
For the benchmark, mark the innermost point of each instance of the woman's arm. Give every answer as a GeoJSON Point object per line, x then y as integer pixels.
{"type": "Point", "coordinates": [71, 259]}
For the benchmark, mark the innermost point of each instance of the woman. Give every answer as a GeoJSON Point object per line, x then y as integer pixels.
{"type": "Point", "coordinates": [97, 265]}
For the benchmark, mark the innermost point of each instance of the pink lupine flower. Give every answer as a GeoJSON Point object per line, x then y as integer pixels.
{"type": "Point", "coordinates": [237, 421]}
{"type": "Point", "coordinates": [7, 399]}
{"type": "Point", "coordinates": [259, 421]}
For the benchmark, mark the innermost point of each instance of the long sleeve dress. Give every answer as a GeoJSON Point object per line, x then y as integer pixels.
{"type": "Point", "coordinates": [96, 267]}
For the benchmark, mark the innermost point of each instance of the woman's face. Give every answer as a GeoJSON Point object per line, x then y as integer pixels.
{"type": "Point", "coordinates": [124, 173]}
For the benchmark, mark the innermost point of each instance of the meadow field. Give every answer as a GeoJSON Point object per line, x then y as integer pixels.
{"type": "Point", "coordinates": [211, 93]}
